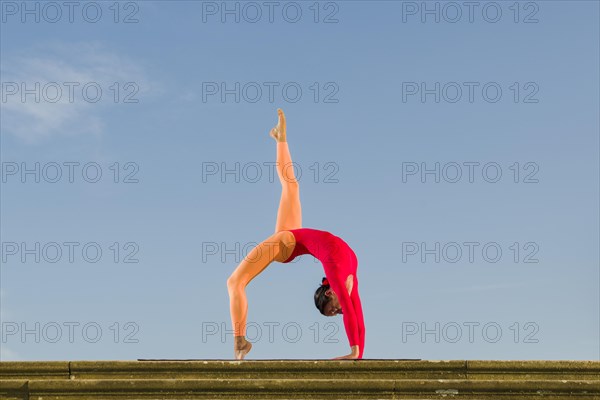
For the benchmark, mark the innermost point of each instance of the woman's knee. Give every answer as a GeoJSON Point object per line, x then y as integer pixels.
{"type": "Point", "coordinates": [235, 282]}
{"type": "Point", "coordinates": [291, 186]}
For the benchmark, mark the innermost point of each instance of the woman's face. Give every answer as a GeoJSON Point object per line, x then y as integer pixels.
{"type": "Point", "coordinates": [332, 307]}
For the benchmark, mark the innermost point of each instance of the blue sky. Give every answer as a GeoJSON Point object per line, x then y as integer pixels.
{"type": "Point", "coordinates": [140, 202]}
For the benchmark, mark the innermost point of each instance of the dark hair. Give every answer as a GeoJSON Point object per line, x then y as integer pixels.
{"type": "Point", "coordinates": [321, 299]}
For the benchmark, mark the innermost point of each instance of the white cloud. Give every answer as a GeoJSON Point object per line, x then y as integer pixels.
{"type": "Point", "coordinates": [34, 122]}
{"type": "Point", "coordinates": [7, 354]}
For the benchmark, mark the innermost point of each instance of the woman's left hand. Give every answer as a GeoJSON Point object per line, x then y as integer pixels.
{"type": "Point", "coordinates": [351, 356]}
{"type": "Point", "coordinates": [347, 357]}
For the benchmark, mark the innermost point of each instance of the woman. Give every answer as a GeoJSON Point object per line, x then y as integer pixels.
{"type": "Point", "coordinates": [338, 293]}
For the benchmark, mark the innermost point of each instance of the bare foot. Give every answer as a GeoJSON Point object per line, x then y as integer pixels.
{"type": "Point", "coordinates": [241, 348]}
{"type": "Point", "coordinates": [278, 132]}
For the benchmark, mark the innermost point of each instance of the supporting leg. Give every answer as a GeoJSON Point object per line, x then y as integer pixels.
{"type": "Point", "coordinates": [252, 265]}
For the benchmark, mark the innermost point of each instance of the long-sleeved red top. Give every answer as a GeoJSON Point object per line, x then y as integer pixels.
{"type": "Point", "coordinates": [339, 261]}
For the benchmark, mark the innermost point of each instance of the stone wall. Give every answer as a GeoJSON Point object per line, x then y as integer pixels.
{"type": "Point", "coordinates": [299, 379]}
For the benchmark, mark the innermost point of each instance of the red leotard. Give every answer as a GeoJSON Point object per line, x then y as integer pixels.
{"type": "Point", "coordinates": [338, 261]}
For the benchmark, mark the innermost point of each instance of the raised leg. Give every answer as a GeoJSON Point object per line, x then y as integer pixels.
{"type": "Point", "coordinates": [289, 214]}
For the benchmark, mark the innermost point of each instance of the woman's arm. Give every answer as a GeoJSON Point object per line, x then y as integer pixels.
{"type": "Point", "coordinates": [348, 311]}
{"type": "Point", "coordinates": [352, 285]}
{"type": "Point", "coordinates": [357, 351]}
{"type": "Point", "coordinates": [359, 317]}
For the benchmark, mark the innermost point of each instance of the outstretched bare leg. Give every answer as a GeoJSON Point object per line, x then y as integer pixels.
{"type": "Point", "coordinates": [289, 214]}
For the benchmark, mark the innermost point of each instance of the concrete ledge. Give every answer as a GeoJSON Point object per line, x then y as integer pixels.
{"type": "Point", "coordinates": [273, 369]}
{"type": "Point", "coordinates": [300, 379]}
{"type": "Point", "coordinates": [284, 388]}
{"type": "Point", "coordinates": [360, 369]}
{"type": "Point", "coordinates": [532, 369]}
{"type": "Point", "coordinates": [34, 369]}
{"type": "Point", "coordinates": [14, 389]}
